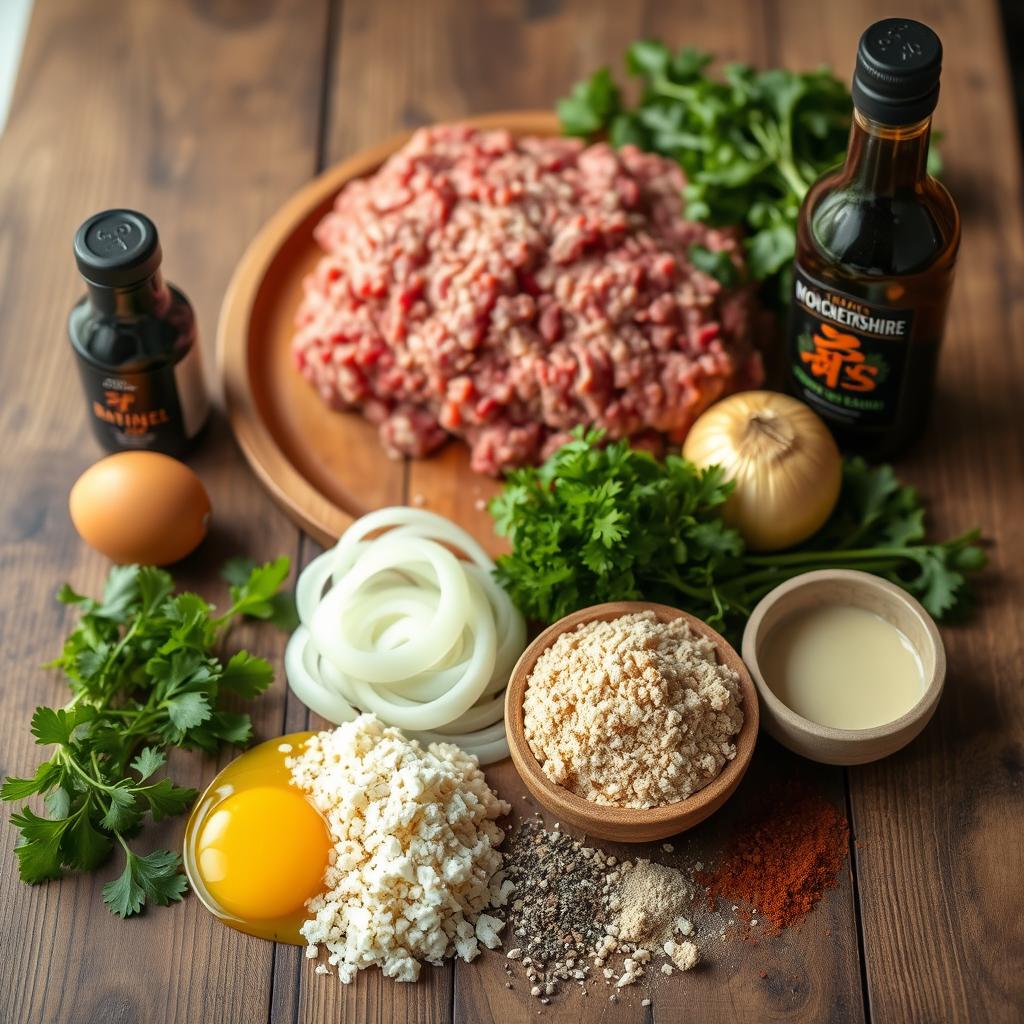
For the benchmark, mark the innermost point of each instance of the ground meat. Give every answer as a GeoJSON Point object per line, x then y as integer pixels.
{"type": "Point", "coordinates": [505, 290]}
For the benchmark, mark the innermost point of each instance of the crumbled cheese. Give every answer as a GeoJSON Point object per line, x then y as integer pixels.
{"type": "Point", "coordinates": [414, 863]}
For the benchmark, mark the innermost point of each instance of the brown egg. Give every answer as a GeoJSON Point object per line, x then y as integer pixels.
{"type": "Point", "coordinates": [140, 507]}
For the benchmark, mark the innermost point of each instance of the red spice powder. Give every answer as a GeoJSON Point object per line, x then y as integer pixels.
{"type": "Point", "coordinates": [783, 861]}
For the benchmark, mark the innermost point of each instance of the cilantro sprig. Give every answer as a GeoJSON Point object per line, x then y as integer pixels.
{"type": "Point", "coordinates": [751, 143]}
{"type": "Point", "coordinates": [145, 676]}
{"type": "Point", "coordinates": [600, 523]}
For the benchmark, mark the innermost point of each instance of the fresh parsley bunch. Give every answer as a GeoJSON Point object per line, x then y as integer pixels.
{"type": "Point", "coordinates": [751, 144]}
{"type": "Point", "coordinates": [601, 523]}
{"type": "Point", "coordinates": [144, 677]}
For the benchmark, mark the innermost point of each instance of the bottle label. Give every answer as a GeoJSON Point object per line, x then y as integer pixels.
{"type": "Point", "coordinates": [847, 358]}
{"type": "Point", "coordinates": [188, 379]}
{"type": "Point", "coordinates": [160, 410]}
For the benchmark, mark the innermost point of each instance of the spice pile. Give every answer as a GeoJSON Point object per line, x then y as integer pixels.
{"type": "Point", "coordinates": [560, 907]}
{"type": "Point", "coordinates": [579, 916]}
{"type": "Point", "coordinates": [633, 712]}
{"type": "Point", "coordinates": [575, 908]}
{"type": "Point", "coordinates": [782, 864]}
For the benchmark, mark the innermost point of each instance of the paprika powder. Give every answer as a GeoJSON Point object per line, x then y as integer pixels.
{"type": "Point", "coordinates": [787, 858]}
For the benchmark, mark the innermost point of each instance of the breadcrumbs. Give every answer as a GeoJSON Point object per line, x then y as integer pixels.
{"type": "Point", "coordinates": [633, 712]}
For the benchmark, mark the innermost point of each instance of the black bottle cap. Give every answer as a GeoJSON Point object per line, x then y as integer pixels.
{"type": "Point", "coordinates": [896, 80]}
{"type": "Point", "coordinates": [117, 248]}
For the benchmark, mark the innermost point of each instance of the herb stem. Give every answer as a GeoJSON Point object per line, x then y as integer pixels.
{"type": "Point", "coordinates": [831, 557]}
{"type": "Point", "coordinates": [673, 90]}
{"type": "Point", "coordinates": [72, 762]}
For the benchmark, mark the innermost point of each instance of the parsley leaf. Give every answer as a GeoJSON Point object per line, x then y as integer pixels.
{"type": "Point", "coordinates": [246, 675]}
{"type": "Point", "coordinates": [600, 523]}
{"type": "Point", "coordinates": [156, 877]}
{"type": "Point", "coordinates": [592, 104]}
{"type": "Point", "coordinates": [188, 710]}
{"type": "Point", "coordinates": [148, 761]}
{"type": "Point", "coordinates": [145, 674]}
{"type": "Point", "coordinates": [751, 143]}
{"type": "Point", "coordinates": [165, 799]}
{"type": "Point", "coordinates": [258, 594]}
{"type": "Point", "coordinates": [121, 814]}
{"type": "Point", "coordinates": [20, 789]}
{"type": "Point", "coordinates": [84, 845]}
{"type": "Point", "coordinates": [38, 847]}
{"type": "Point", "coordinates": [54, 726]}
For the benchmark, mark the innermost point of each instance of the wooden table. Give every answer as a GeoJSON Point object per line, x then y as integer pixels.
{"type": "Point", "coordinates": [207, 115]}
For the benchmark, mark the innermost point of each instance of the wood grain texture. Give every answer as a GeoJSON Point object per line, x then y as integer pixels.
{"type": "Point", "coordinates": [940, 826]}
{"type": "Point", "coordinates": [403, 65]}
{"type": "Point", "coordinates": [207, 115]}
{"type": "Point", "coordinates": [163, 107]}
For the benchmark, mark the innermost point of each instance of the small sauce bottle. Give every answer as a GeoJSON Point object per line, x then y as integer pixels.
{"type": "Point", "coordinates": [876, 246]}
{"type": "Point", "coordinates": [135, 338]}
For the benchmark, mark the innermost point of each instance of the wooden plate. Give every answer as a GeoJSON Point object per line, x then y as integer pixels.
{"type": "Point", "coordinates": [323, 467]}
{"type": "Point", "coordinates": [628, 824]}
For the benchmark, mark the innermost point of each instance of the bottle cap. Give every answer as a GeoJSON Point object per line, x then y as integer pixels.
{"type": "Point", "coordinates": [896, 80]}
{"type": "Point", "coordinates": [117, 248]}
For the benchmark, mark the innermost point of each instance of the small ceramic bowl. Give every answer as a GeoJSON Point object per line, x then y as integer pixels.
{"type": "Point", "coordinates": [862, 590]}
{"type": "Point", "coordinates": [626, 824]}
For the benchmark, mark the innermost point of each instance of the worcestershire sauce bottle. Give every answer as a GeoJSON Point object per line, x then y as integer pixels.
{"type": "Point", "coordinates": [876, 245]}
{"type": "Point", "coordinates": [135, 339]}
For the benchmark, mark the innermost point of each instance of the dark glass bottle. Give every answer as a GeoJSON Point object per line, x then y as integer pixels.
{"type": "Point", "coordinates": [877, 242]}
{"type": "Point", "coordinates": [134, 336]}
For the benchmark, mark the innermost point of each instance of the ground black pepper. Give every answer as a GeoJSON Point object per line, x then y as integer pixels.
{"type": "Point", "coordinates": [560, 907]}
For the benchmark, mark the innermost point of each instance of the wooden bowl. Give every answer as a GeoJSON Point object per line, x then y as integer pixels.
{"type": "Point", "coordinates": [627, 824]}
{"type": "Point", "coordinates": [862, 590]}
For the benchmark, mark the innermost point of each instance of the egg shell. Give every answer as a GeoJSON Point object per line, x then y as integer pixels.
{"type": "Point", "coordinates": [140, 507]}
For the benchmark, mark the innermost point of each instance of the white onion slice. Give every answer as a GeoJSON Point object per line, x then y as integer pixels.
{"type": "Point", "coordinates": [307, 685]}
{"type": "Point", "coordinates": [332, 630]}
{"type": "Point", "coordinates": [395, 623]}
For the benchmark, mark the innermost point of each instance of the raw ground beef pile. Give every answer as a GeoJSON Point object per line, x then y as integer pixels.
{"type": "Point", "coordinates": [505, 290]}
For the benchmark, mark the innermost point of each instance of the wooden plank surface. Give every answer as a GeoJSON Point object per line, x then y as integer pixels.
{"type": "Point", "coordinates": [940, 825]}
{"type": "Point", "coordinates": [439, 61]}
{"type": "Point", "coordinates": [163, 107]}
{"type": "Point", "coordinates": [207, 115]}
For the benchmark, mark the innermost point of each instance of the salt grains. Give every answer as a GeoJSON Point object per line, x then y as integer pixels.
{"type": "Point", "coordinates": [633, 712]}
{"type": "Point", "coordinates": [575, 910]}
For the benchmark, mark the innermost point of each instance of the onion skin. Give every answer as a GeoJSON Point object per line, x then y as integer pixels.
{"type": "Point", "coordinates": [784, 462]}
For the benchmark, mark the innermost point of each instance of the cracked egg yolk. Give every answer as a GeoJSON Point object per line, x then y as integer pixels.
{"type": "Point", "coordinates": [255, 847]}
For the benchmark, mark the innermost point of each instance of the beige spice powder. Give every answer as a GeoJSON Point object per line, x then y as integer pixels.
{"type": "Point", "coordinates": [653, 901]}
{"type": "Point", "coordinates": [633, 712]}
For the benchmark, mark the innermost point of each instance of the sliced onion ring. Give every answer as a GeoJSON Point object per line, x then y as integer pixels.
{"type": "Point", "coordinates": [395, 623]}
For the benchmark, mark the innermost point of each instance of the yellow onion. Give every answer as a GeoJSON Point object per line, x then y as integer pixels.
{"type": "Point", "coordinates": [785, 464]}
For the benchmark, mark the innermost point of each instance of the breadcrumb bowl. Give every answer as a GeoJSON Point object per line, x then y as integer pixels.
{"type": "Point", "coordinates": [627, 824]}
